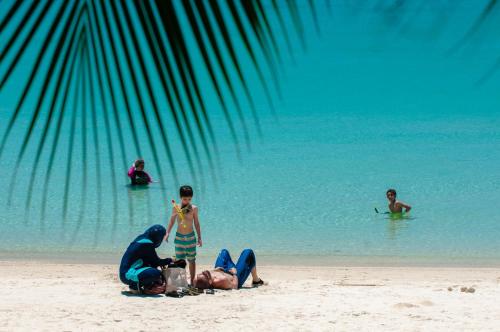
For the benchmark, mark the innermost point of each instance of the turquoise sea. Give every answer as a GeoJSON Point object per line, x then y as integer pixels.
{"type": "Point", "coordinates": [380, 98]}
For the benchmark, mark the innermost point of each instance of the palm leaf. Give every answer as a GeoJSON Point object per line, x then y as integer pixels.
{"type": "Point", "coordinates": [90, 65]}
{"type": "Point", "coordinates": [485, 14]}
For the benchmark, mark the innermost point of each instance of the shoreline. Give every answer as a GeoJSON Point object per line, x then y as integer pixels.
{"type": "Point", "coordinates": [55, 296]}
{"type": "Point", "coordinates": [106, 258]}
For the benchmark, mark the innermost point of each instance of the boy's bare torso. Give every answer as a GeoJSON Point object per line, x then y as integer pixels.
{"type": "Point", "coordinates": [185, 225]}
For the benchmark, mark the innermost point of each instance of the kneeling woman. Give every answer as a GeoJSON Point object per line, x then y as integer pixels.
{"type": "Point", "coordinates": [139, 265]}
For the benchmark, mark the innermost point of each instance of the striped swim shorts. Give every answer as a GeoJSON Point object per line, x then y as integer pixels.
{"type": "Point", "coordinates": [185, 246]}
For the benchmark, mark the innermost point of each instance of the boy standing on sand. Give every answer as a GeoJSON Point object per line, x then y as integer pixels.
{"type": "Point", "coordinates": [185, 238]}
{"type": "Point", "coordinates": [394, 205]}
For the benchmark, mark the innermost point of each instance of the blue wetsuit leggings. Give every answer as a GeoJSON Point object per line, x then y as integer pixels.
{"type": "Point", "coordinates": [244, 266]}
{"type": "Point", "coordinates": [146, 278]}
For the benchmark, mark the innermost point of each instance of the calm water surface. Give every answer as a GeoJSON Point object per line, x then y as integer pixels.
{"type": "Point", "coordinates": [375, 102]}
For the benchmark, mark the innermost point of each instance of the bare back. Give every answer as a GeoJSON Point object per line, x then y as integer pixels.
{"type": "Point", "coordinates": [397, 207]}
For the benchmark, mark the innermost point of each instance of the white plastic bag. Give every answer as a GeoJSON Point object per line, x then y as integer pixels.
{"type": "Point", "coordinates": [175, 278]}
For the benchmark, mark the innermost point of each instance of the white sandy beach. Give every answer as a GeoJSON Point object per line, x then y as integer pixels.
{"type": "Point", "coordinates": [63, 297]}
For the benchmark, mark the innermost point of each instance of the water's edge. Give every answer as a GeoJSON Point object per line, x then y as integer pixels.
{"type": "Point", "coordinates": [274, 260]}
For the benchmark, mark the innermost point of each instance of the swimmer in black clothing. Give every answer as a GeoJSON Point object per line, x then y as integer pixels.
{"type": "Point", "coordinates": [137, 175]}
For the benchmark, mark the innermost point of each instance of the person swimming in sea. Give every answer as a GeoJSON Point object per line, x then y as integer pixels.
{"type": "Point", "coordinates": [137, 174]}
{"type": "Point", "coordinates": [396, 206]}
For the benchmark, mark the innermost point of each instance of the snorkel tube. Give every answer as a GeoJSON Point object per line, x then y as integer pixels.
{"type": "Point", "coordinates": [178, 210]}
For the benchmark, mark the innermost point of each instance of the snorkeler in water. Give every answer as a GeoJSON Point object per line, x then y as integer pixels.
{"type": "Point", "coordinates": [396, 206]}
{"type": "Point", "coordinates": [137, 174]}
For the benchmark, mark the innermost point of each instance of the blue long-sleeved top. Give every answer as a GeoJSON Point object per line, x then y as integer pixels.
{"type": "Point", "coordinates": [141, 252]}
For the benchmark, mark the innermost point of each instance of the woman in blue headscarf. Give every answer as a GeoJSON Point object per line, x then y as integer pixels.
{"type": "Point", "coordinates": [139, 265]}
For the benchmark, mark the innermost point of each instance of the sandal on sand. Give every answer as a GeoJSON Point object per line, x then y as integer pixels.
{"type": "Point", "coordinates": [258, 283]}
{"type": "Point", "coordinates": [194, 291]}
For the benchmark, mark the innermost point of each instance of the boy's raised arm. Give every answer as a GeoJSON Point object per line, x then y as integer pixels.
{"type": "Point", "coordinates": [131, 171]}
{"type": "Point", "coordinates": [197, 226]}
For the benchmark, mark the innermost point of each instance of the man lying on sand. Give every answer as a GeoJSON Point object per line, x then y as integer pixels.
{"type": "Point", "coordinates": [227, 275]}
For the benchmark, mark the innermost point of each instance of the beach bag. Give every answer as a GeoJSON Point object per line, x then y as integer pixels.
{"type": "Point", "coordinates": [175, 277]}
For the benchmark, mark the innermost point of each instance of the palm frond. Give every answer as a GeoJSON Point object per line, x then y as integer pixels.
{"type": "Point", "coordinates": [480, 20]}
{"type": "Point", "coordinates": [94, 62]}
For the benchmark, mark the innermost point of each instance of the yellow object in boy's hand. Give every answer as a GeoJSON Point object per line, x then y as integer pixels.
{"type": "Point", "coordinates": [178, 210]}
